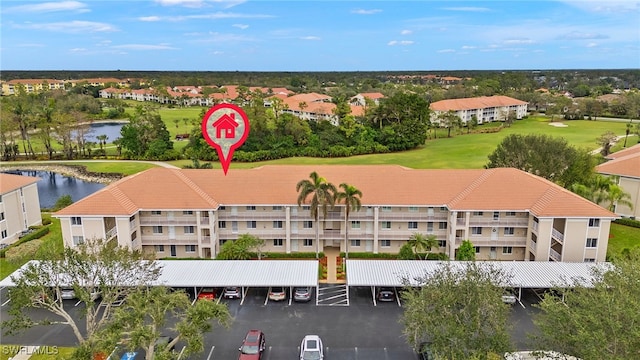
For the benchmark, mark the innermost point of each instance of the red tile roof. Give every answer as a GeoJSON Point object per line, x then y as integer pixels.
{"type": "Point", "coordinates": [475, 103]}
{"type": "Point", "coordinates": [625, 163]}
{"type": "Point", "coordinates": [11, 182]}
{"type": "Point", "coordinates": [502, 189]}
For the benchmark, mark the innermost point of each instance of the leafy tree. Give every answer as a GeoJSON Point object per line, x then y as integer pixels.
{"type": "Point", "coordinates": [91, 268]}
{"type": "Point", "coordinates": [457, 308]}
{"type": "Point", "coordinates": [449, 120]}
{"type": "Point", "coordinates": [146, 135]}
{"type": "Point", "coordinates": [240, 249]}
{"type": "Point", "coordinates": [142, 320]}
{"type": "Point", "coordinates": [422, 243]}
{"type": "Point", "coordinates": [62, 202]}
{"type": "Point", "coordinates": [598, 321]}
{"type": "Point", "coordinates": [351, 197]}
{"type": "Point", "coordinates": [606, 141]}
{"type": "Point", "coordinates": [322, 195]}
{"type": "Point", "coordinates": [406, 252]}
{"type": "Point", "coordinates": [466, 251]}
{"type": "Point", "coordinates": [551, 158]}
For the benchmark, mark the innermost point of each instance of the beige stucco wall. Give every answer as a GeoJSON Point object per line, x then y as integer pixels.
{"type": "Point", "coordinates": [632, 187]}
{"type": "Point", "coordinates": [17, 218]}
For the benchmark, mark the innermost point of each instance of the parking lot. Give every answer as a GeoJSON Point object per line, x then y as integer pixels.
{"type": "Point", "coordinates": [358, 331]}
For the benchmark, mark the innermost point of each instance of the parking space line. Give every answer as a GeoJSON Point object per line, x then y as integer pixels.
{"type": "Point", "coordinates": [266, 300]}
{"type": "Point", "coordinates": [78, 303]}
{"type": "Point", "coordinates": [5, 303]}
{"type": "Point", "coordinates": [211, 352]}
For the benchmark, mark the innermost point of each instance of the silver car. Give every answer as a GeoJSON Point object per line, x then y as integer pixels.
{"type": "Point", "coordinates": [302, 293]}
{"type": "Point", "coordinates": [67, 294]}
{"type": "Point", "coordinates": [231, 292]}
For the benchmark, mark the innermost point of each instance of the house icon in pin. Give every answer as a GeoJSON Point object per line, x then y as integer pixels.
{"type": "Point", "coordinates": [226, 125]}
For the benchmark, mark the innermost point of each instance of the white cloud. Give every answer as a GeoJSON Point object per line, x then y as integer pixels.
{"type": "Point", "coordinates": [518, 41]}
{"type": "Point", "coordinates": [310, 38]}
{"type": "Point", "coordinates": [214, 37]}
{"type": "Point", "coordinates": [144, 47]}
{"type": "Point", "coordinates": [578, 35]}
{"type": "Point", "coordinates": [406, 32]}
{"type": "Point", "coordinates": [32, 45]}
{"type": "Point", "coordinates": [443, 51]}
{"type": "Point", "coordinates": [365, 11]}
{"type": "Point", "coordinates": [149, 18]}
{"type": "Point", "coordinates": [592, 44]}
{"type": "Point", "coordinates": [467, 8]}
{"type": "Point", "coordinates": [241, 26]}
{"type": "Point", "coordinates": [606, 6]}
{"type": "Point", "coordinates": [70, 27]}
{"type": "Point", "coordinates": [401, 42]}
{"type": "Point", "coordinates": [468, 47]}
{"type": "Point", "coordinates": [49, 7]}
{"type": "Point", "coordinates": [78, 50]}
{"type": "Point", "coordinates": [200, 3]}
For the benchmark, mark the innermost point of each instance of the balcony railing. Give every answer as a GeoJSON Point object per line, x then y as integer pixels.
{"type": "Point", "coordinates": [252, 215]}
{"type": "Point", "coordinates": [111, 233]}
{"type": "Point", "coordinates": [533, 246]}
{"type": "Point", "coordinates": [515, 222]}
{"type": "Point", "coordinates": [554, 255]}
{"type": "Point", "coordinates": [557, 235]}
{"type": "Point", "coordinates": [511, 241]}
{"type": "Point", "coordinates": [163, 220]}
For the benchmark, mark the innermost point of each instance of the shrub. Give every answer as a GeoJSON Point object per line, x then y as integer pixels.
{"type": "Point", "coordinates": [366, 255]}
{"type": "Point", "coordinates": [628, 222]}
{"type": "Point", "coordinates": [40, 232]}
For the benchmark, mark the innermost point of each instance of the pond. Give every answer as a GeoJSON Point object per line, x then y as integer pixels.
{"type": "Point", "coordinates": [53, 185]}
{"type": "Point", "coordinates": [111, 129]}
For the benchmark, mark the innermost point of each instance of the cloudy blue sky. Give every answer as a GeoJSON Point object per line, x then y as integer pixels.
{"type": "Point", "coordinates": [221, 35]}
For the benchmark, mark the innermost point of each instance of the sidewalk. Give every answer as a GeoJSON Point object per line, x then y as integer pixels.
{"type": "Point", "coordinates": [25, 353]}
{"type": "Point", "coordinates": [332, 255]}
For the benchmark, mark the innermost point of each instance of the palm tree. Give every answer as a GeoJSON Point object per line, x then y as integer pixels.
{"type": "Point", "coordinates": [617, 196]}
{"type": "Point", "coordinates": [423, 242]}
{"type": "Point", "coordinates": [322, 196]}
{"type": "Point", "coordinates": [351, 197]}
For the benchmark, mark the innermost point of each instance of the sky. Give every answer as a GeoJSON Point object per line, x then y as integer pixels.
{"type": "Point", "coordinates": [237, 35]}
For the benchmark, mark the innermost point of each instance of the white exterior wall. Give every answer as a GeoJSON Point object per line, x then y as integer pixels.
{"type": "Point", "coordinates": [20, 209]}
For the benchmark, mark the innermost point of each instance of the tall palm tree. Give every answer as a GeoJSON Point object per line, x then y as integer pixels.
{"type": "Point", "coordinates": [351, 197]}
{"type": "Point", "coordinates": [420, 242]}
{"type": "Point", "coordinates": [617, 196]}
{"type": "Point", "coordinates": [322, 195]}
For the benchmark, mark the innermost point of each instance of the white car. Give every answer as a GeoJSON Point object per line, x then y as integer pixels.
{"type": "Point", "coordinates": [67, 294]}
{"type": "Point", "coordinates": [311, 348]}
{"type": "Point", "coordinates": [509, 299]}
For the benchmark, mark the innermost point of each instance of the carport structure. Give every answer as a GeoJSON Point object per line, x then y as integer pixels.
{"type": "Point", "coordinates": [223, 273]}
{"type": "Point", "coordinates": [522, 274]}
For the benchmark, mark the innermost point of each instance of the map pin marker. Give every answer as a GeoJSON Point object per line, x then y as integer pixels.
{"type": "Point", "coordinates": [225, 127]}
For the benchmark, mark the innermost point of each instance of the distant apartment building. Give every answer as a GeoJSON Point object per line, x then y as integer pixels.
{"type": "Point", "coordinates": [484, 108]}
{"type": "Point", "coordinates": [19, 206]}
{"type": "Point", "coordinates": [507, 214]}
{"type": "Point", "coordinates": [624, 167]}
{"type": "Point", "coordinates": [12, 87]}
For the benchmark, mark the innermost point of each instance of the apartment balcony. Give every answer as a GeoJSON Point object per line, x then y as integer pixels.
{"type": "Point", "coordinates": [111, 233]}
{"type": "Point", "coordinates": [535, 226]}
{"type": "Point", "coordinates": [156, 240]}
{"type": "Point", "coordinates": [411, 216]}
{"type": "Point", "coordinates": [132, 225]}
{"type": "Point", "coordinates": [252, 215]}
{"type": "Point", "coordinates": [510, 241]}
{"type": "Point", "coordinates": [204, 220]}
{"type": "Point", "coordinates": [557, 235]}
{"type": "Point", "coordinates": [554, 255]}
{"type": "Point", "coordinates": [502, 222]}
{"type": "Point", "coordinates": [533, 246]}
{"type": "Point", "coordinates": [166, 221]}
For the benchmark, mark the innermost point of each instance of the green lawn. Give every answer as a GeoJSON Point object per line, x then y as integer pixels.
{"type": "Point", "coordinates": [622, 237]}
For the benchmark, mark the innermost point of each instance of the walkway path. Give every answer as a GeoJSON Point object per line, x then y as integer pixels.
{"type": "Point", "coordinates": [25, 353]}
{"type": "Point", "coordinates": [332, 254]}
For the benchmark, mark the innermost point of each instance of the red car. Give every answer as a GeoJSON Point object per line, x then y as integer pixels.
{"type": "Point", "coordinates": [253, 346]}
{"type": "Point", "coordinates": [207, 294]}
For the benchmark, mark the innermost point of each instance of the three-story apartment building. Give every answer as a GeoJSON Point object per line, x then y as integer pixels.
{"type": "Point", "coordinates": [507, 214]}
{"type": "Point", "coordinates": [19, 206]}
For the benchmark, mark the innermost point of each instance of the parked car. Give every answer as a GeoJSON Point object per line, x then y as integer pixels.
{"type": "Point", "coordinates": [67, 294]}
{"type": "Point", "coordinates": [277, 293]}
{"type": "Point", "coordinates": [207, 294]}
{"type": "Point", "coordinates": [311, 348]}
{"type": "Point", "coordinates": [3, 246]}
{"type": "Point", "coordinates": [231, 292]}
{"type": "Point", "coordinates": [302, 293]}
{"type": "Point", "coordinates": [386, 294]}
{"type": "Point", "coordinates": [509, 298]}
{"type": "Point", "coordinates": [252, 346]}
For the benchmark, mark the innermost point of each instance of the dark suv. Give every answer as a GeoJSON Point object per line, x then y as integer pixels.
{"type": "Point", "coordinates": [253, 346]}
{"type": "Point", "coordinates": [386, 294]}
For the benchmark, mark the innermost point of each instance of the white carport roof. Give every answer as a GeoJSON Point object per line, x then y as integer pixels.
{"type": "Point", "coordinates": [219, 273]}
{"type": "Point", "coordinates": [523, 274]}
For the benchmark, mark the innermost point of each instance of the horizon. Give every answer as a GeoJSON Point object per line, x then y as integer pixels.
{"type": "Point", "coordinates": [319, 36]}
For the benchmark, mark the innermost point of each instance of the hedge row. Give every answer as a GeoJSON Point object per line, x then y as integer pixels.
{"type": "Point", "coordinates": [386, 256]}
{"type": "Point", "coordinates": [628, 222]}
{"type": "Point", "coordinates": [37, 234]}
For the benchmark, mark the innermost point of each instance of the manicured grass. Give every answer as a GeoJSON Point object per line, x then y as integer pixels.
{"type": "Point", "coordinates": [621, 237]}
{"type": "Point", "coordinates": [121, 167]}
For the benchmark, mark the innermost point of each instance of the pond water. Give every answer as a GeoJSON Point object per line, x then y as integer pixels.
{"type": "Point", "coordinates": [112, 130]}
{"type": "Point", "coordinates": [53, 185]}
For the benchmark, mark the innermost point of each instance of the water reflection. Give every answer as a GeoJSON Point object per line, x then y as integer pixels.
{"type": "Point", "coordinates": [52, 186]}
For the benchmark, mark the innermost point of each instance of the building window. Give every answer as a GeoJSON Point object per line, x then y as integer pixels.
{"type": "Point", "coordinates": [188, 212]}
{"type": "Point", "coordinates": [234, 226]}
{"type": "Point", "coordinates": [134, 235]}
{"type": "Point", "coordinates": [476, 230]}
{"type": "Point", "coordinates": [307, 224]}
{"type": "Point", "coordinates": [278, 242]}
{"type": "Point", "coordinates": [509, 231]}
{"type": "Point", "coordinates": [190, 248]}
{"type": "Point", "coordinates": [308, 242]}
{"type": "Point", "coordinates": [477, 249]}
{"type": "Point", "coordinates": [413, 209]}
{"type": "Point", "coordinates": [159, 248]}
{"type": "Point", "coordinates": [77, 240]}
{"type": "Point", "coordinates": [222, 208]}
{"type": "Point", "coordinates": [442, 226]}
{"type": "Point", "coordinates": [443, 208]}
{"type": "Point", "coordinates": [589, 260]}
{"type": "Point", "coordinates": [429, 227]}
{"type": "Point", "coordinates": [413, 224]}
{"type": "Point", "coordinates": [594, 222]}
{"type": "Point", "coordinates": [277, 207]}
{"type": "Point", "coordinates": [222, 241]}
{"type": "Point", "coordinates": [251, 208]}
{"type": "Point", "coordinates": [592, 242]}
{"type": "Point", "coordinates": [1, 216]}
{"type": "Point", "coordinates": [251, 224]}
{"type": "Point", "coordinates": [306, 207]}
{"type": "Point", "coordinates": [385, 243]}
{"type": "Point", "coordinates": [222, 224]}
{"type": "Point", "coordinates": [385, 224]}
{"type": "Point", "coordinates": [355, 242]}
{"type": "Point", "coordinates": [386, 208]}
{"type": "Point", "coordinates": [157, 229]}
{"type": "Point", "coordinates": [277, 224]}
{"type": "Point", "coordinates": [4, 234]}
{"type": "Point", "coordinates": [507, 250]}
{"type": "Point", "coordinates": [156, 212]}
{"type": "Point", "coordinates": [511, 213]}
{"type": "Point", "coordinates": [442, 243]}
{"type": "Point", "coordinates": [355, 224]}
{"type": "Point", "coordinates": [496, 215]}
{"type": "Point", "coordinates": [478, 213]}
{"type": "Point", "coordinates": [189, 229]}
{"type": "Point", "coordinates": [76, 220]}
{"type": "Point", "coordinates": [132, 218]}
